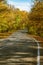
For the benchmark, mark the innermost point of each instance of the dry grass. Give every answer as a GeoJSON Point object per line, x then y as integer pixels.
{"type": "Point", "coordinates": [38, 38]}
{"type": "Point", "coordinates": [5, 35]}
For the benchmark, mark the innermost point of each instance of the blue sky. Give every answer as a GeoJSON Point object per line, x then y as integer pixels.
{"type": "Point", "coordinates": [21, 4]}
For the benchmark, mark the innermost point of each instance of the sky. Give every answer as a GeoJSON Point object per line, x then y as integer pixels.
{"type": "Point", "coordinates": [21, 4]}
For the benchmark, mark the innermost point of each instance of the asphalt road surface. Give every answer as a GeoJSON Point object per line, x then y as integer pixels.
{"type": "Point", "coordinates": [20, 49]}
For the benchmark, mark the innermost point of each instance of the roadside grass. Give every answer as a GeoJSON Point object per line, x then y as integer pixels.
{"type": "Point", "coordinates": [5, 35]}
{"type": "Point", "coordinates": [38, 38]}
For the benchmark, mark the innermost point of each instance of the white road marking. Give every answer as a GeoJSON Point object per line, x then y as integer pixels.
{"type": "Point", "coordinates": [38, 53]}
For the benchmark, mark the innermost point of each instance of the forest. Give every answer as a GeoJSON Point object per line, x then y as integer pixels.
{"type": "Point", "coordinates": [12, 18]}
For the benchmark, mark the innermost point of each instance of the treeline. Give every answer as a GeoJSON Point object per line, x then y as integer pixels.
{"type": "Point", "coordinates": [36, 19]}
{"type": "Point", "coordinates": [12, 19]}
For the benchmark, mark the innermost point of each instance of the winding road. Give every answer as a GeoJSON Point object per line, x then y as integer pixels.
{"type": "Point", "coordinates": [20, 49]}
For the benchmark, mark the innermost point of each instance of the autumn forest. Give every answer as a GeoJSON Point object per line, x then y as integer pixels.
{"type": "Point", "coordinates": [12, 18]}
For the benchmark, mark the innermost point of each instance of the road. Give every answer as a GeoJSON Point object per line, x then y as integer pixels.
{"type": "Point", "coordinates": [20, 49]}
